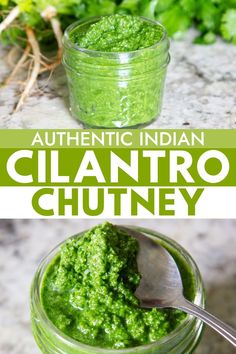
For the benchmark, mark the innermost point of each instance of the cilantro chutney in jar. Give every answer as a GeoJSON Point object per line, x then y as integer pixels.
{"type": "Point", "coordinates": [116, 67]}
{"type": "Point", "coordinates": [83, 298]}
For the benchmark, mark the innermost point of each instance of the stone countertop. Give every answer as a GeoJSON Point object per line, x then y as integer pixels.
{"type": "Point", "coordinates": [200, 92]}
{"type": "Point", "coordinates": [23, 243]}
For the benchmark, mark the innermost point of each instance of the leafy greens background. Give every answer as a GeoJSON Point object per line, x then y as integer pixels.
{"type": "Point", "coordinates": [210, 17]}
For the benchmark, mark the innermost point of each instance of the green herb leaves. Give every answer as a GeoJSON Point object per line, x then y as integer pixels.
{"type": "Point", "coordinates": [210, 17]}
{"type": "Point", "coordinates": [228, 25]}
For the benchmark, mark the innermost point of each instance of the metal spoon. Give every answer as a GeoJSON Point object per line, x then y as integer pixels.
{"type": "Point", "coordinates": [161, 284]}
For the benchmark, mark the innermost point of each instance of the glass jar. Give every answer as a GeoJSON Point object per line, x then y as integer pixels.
{"type": "Point", "coordinates": [183, 340]}
{"type": "Point", "coordinates": [115, 90]}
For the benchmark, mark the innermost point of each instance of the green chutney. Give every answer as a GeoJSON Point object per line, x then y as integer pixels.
{"type": "Point", "coordinates": [88, 292]}
{"type": "Point", "coordinates": [116, 67]}
{"type": "Point", "coordinates": [118, 33]}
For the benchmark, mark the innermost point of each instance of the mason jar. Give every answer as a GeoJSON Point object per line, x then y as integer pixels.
{"type": "Point", "coordinates": [183, 340]}
{"type": "Point", "coordinates": [115, 89]}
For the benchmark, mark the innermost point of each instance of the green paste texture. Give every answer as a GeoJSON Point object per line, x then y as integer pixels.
{"type": "Point", "coordinates": [119, 83]}
{"type": "Point", "coordinates": [88, 292]}
{"type": "Point", "coordinates": [119, 33]}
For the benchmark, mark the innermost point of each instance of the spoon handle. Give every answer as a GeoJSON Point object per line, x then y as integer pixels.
{"type": "Point", "coordinates": [222, 328]}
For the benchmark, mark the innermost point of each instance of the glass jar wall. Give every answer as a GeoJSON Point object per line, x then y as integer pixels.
{"type": "Point", "coordinates": [115, 90]}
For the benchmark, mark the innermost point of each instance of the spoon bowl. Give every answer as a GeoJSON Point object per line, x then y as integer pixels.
{"type": "Point", "coordinates": [161, 281]}
{"type": "Point", "coordinates": [161, 284]}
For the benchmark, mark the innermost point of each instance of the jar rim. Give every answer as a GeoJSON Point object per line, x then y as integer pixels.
{"type": "Point", "coordinates": [188, 321]}
{"type": "Point", "coordinates": [66, 39]}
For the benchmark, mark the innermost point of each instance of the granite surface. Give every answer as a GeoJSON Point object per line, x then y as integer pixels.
{"type": "Point", "coordinates": [200, 92]}
{"type": "Point", "coordinates": [23, 243]}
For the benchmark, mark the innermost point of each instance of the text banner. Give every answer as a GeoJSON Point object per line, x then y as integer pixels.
{"type": "Point", "coordinates": [117, 173]}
